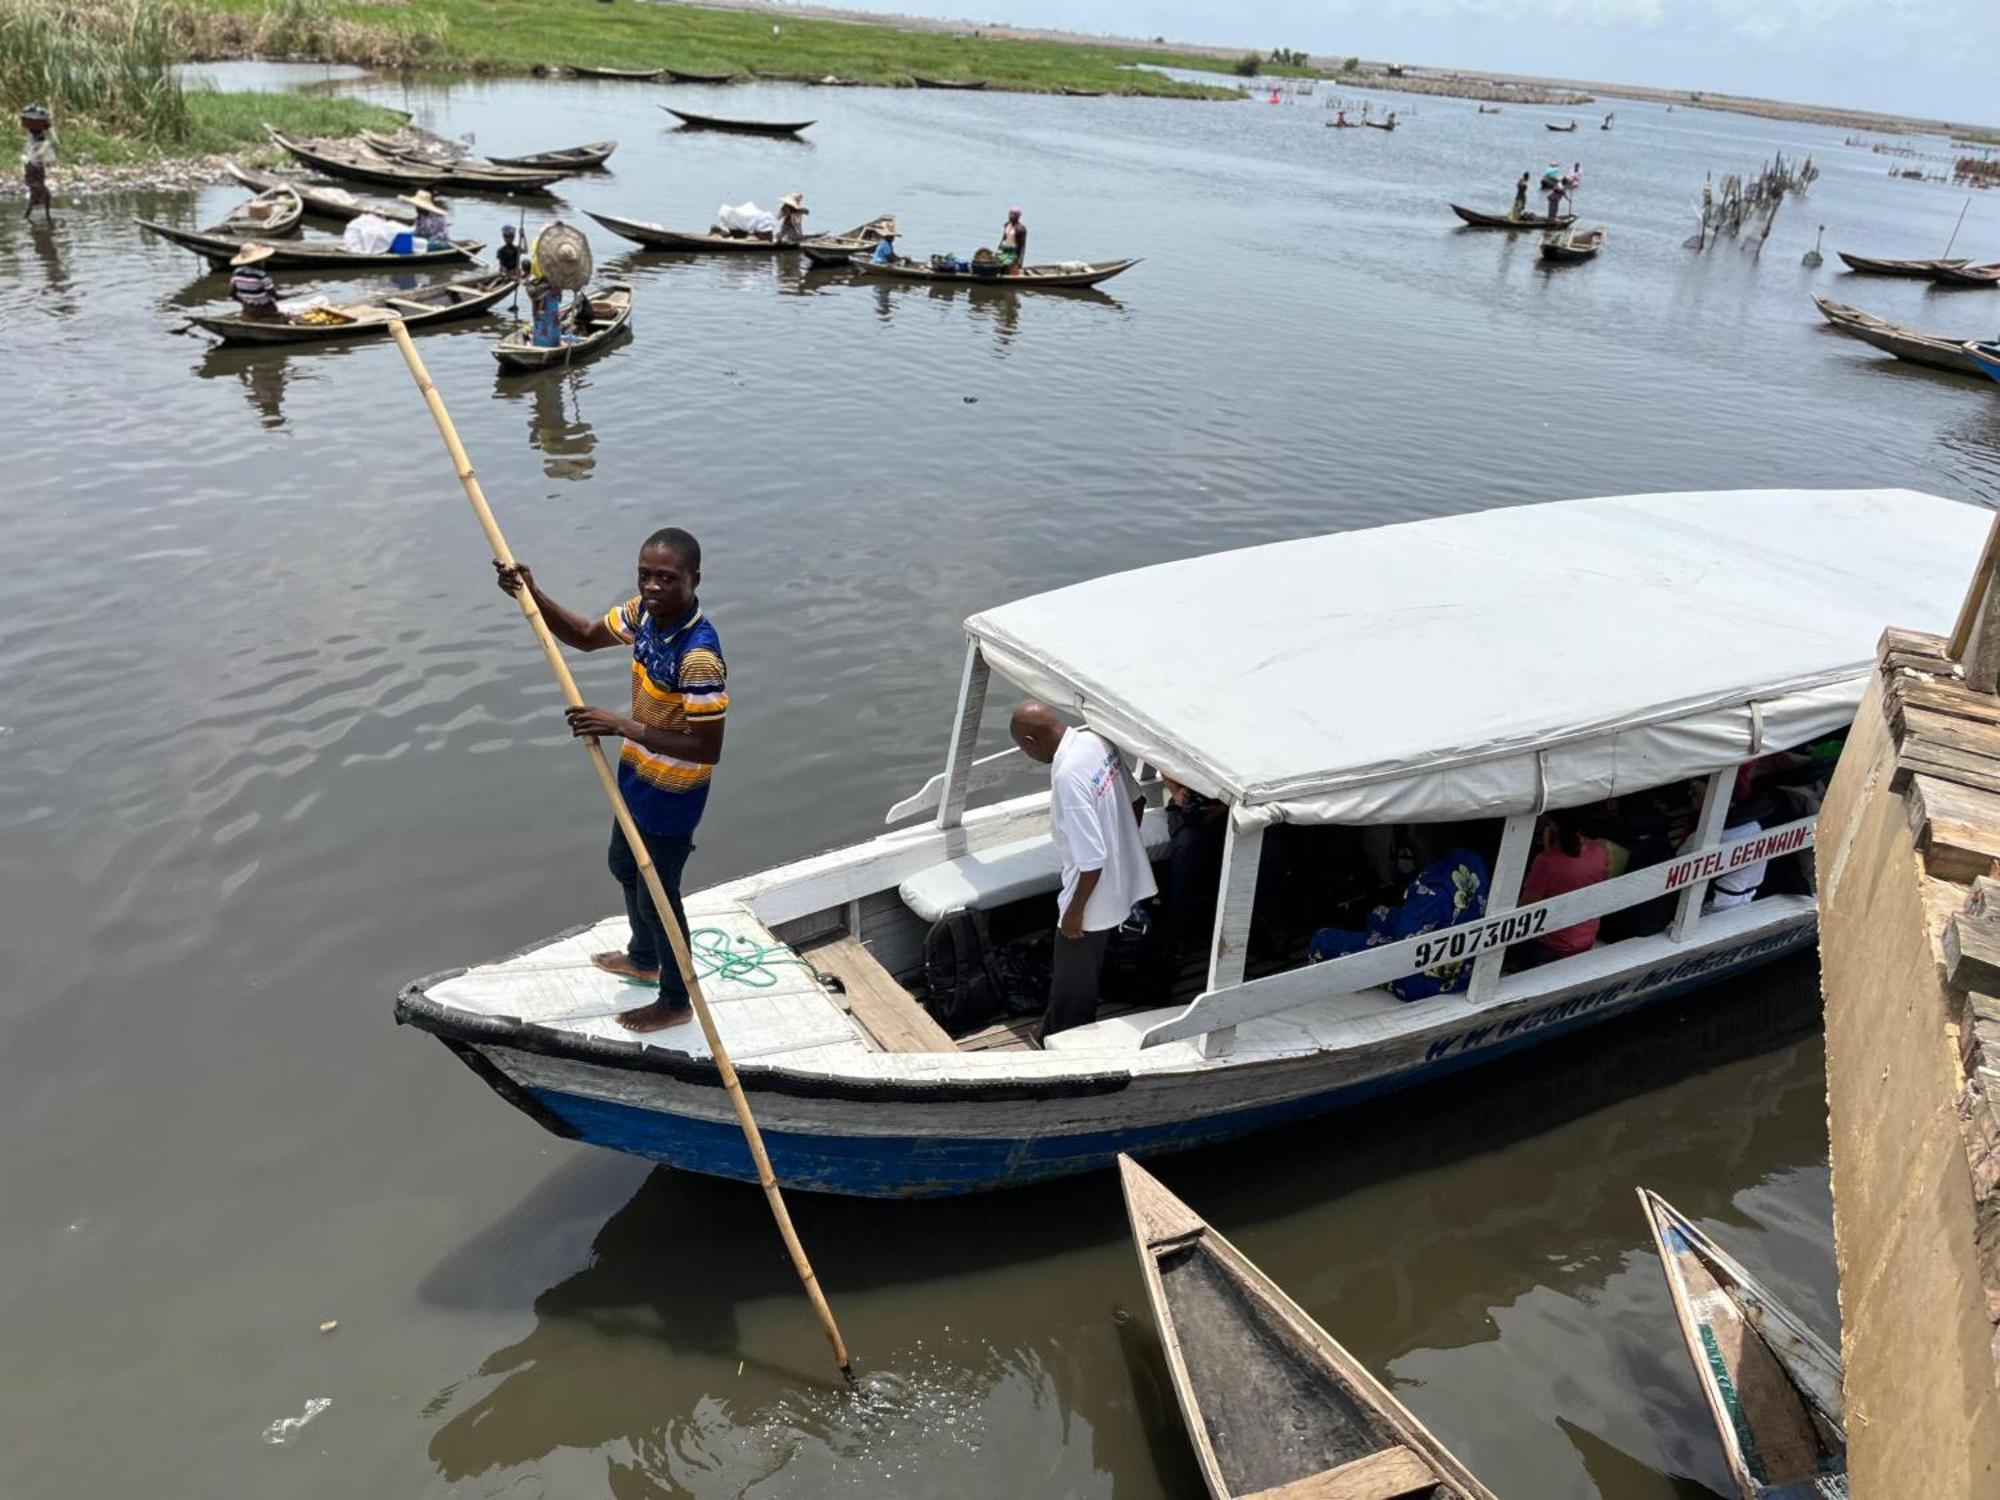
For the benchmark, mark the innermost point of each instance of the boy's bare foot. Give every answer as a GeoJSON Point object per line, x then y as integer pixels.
{"type": "Point", "coordinates": [656, 1017]}
{"type": "Point", "coordinates": [618, 962]}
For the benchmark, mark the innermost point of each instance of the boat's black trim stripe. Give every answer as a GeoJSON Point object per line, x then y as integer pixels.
{"type": "Point", "coordinates": [511, 1091]}
{"type": "Point", "coordinates": [457, 1028]}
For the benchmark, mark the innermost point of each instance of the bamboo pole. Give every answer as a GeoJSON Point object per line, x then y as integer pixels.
{"type": "Point", "coordinates": [1956, 227]}
{"type": "Point", "coordinates": [609, 781]}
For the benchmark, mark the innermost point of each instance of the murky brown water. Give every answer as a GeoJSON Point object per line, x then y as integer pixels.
{"type": "Point", "coordinates": [272, 745]}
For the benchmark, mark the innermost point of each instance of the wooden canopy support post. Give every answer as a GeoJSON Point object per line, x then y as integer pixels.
{"type": "Point", "coordinates": [609, 781]}
{"type": "Point", "coordinates": [1242, 850]}
{"type": "Point", "coordinates": [965, 737]}
{"type": "Point", "coordinates": [1503, 895]}
{"type": "Point", "coordinates": [1975, 639]}
{"type": "Point", "coordinates": [1707, 831]}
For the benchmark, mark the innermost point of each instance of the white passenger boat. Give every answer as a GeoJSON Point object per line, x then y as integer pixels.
{"type": "Point", "coordinates": [1479, 667]}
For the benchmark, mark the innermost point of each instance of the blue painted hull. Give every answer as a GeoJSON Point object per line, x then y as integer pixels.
{"type": "Point", "coordinates": [946, 1163]}
{"type": "Point", "coordinates": [1987, 357]}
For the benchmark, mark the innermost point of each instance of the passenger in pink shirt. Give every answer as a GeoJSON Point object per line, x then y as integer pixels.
{"type": "Point", "coordinates": [1568, 862]}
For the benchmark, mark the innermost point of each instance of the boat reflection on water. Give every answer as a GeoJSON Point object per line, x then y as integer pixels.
{"type": "Point", "coordinates": [683, 1282]}
{"type": "Point", "coordinates": [999, 306]}
{"type": "Point", "coordinates": [264, 374]}
{"type": "Point", "coordinates": [556, 428]}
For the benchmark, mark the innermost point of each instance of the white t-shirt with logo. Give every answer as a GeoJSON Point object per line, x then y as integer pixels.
{"type": "Point", "coordinates": [1090, 819]}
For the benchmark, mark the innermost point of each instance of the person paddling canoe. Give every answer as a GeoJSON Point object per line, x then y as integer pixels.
{"type": "Point", "coordinates": [673, 741]}
{"type": "Point", "coordinates": [1520, 207]}
{"type": "Point", "coordinates": [1014, 242]}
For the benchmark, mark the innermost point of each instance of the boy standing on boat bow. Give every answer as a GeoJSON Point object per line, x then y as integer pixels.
{"type": "Point", "coordinates": [1094, 815]}
{"type": "Point", "coordinates": [673, 740]}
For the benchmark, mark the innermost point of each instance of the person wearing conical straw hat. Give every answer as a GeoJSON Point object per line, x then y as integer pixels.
{"type": "Point", "coordinates": [252, 286]}
{"type": "Point", "coordinates": [38, 154]}
{"type": "Point", "coordinates": [431, 223]}
{"type": "Point", "coordinates": [792, 213]}
{"type": "Point", "coordinates": [885, 246]}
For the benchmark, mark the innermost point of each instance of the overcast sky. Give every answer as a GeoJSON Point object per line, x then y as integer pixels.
{"type": "Point", "coordinates": [1926, 57]}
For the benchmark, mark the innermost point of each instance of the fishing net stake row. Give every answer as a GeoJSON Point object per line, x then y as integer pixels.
{"type": "Point", "coordinates": [609, 781]}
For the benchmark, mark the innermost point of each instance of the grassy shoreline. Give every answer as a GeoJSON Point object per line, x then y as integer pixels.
{"type": "Point", "coordinates": [525, 36]}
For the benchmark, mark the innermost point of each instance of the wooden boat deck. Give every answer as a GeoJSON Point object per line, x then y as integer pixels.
{"type": "Point", "coordinates": [893, 1017]}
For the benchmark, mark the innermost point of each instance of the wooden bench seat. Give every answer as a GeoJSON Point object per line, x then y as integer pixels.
{"type": "Point", "coordinates": [887, 1012]}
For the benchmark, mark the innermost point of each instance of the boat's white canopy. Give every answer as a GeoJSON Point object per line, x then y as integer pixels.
{"type": "Point", "coordinates": [1497, 662]}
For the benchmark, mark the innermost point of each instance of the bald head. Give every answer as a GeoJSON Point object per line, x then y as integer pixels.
{"type": "Point", "coordinates": [1035, 727]}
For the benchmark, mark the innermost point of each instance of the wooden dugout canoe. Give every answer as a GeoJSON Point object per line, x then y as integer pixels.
{"type": "Point", "coordinates": [272, 214]}
{"type": "Point", "coordinates": [358, 165]}
{"type": "Point", "coordinates": [1480, 219]}
{"type": "Point", "coordinates": [678, 76]}
{"type": "Point", "coordinates": [659, 237]}
{"type": "Point", "coordinates": [311, 255]}
{"type": "Point", "coordinates": [1772, 1387]}
{"type": "Point", "coordinates": [1985, 357]}
{"type": "Point", "coordinates": [1380, 124]}
{"type": "Point", "coordinates": [1568, 247]}
{"type": "Point", "coordinates": [1274, 1406]}
{"type": "Point", "coordinates": [1031, 278]}
{"type": "Point", "coordinates": [1560, 129]}
{"type": "Point", "coordinates": [1960, 275]}
{"type": "Point", "coordinates": [1936, 350]}
{"type": "Point", "coordinates": [627, 75]}
{"type": "Point", "coordinates": [585, 158]}
{"type": "Point", "coordinates": [923, 82]}
{"type": "Point", "coordinates": [611, 315]}
{"type": "Point", "coordinates": [321, 201]}
{"type": "Point", "coordinates": [1922, 270]}
{"type": "Point", "coordinates": [368, 318]}
{"type": "Point", "coordinates": [691, 121]}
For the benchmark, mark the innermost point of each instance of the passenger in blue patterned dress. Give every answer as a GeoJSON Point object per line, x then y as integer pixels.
{"type": "Point", "coordinates": [1449, 888]}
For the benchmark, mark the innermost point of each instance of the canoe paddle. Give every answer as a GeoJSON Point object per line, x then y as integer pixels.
{"type": "Point", "coordinates": [609, 781]}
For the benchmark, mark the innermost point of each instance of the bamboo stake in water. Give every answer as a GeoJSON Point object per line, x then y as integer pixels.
{"type": "Point", "coordinates": [1956, 227]}
{"type": "Point", "coordinates": [637, 844]}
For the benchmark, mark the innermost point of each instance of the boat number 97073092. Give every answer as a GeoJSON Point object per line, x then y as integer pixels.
{"type": "Point", "coordinates": [1469, 942]}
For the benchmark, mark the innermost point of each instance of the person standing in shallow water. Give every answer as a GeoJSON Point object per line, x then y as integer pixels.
{"type": "Point", "coordinates": [673, 741]}
{"type": "Point", "coordinates": [38, 154]}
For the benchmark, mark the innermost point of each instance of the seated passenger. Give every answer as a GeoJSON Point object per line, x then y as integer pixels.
{"type": "Point", "coordinates": [431, 228]}
{"type": "Point", "coordinates": [1739, 887]}
{"type": "Point", "coordinates": [1448, 888]}
{"type": "Point", "coordinates": [885, 248]}
{"type": "Point", "coordinates": [1567, 862]}
{"type": "Point", "coordinates": [1195, 829]}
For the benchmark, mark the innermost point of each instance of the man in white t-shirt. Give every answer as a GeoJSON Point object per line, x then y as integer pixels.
{"type": "Point", "coordinates": [1094, 813]}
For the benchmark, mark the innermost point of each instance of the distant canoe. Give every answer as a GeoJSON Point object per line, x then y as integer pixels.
{"type": "Point", "coordinates": [610, 317]}
{"type": "Point", "coordinates": [320, 201]}
{"type": "Point", "coordinates": [947, 83]}
{"type": "Point", "coordinates": [1569, 246]}
{"type": "Point", "coordinates": [679, 77]}
{"type": "Point", "coordinates": [1031, 278]}
{"type": "Point", "coordinates": [703, 241]}
{"type": "Point", "coordinates": [585, 158]}
{"type": "Point", "coordinates": [1559, 129]}
{"type": "Point", "coordinates": [1479, 219]}
{"type": "Point", "coordinates": [463, 170]}
{"type": "Point", "coordinates": [1922, 270]}
{"type": "Point", "coordinates": [368, 318]}
{"type": "Point", "coordinates": [1272, 1403]}
{"type": "Point", "coordinates": [628, 75]}
{"type": "Point", "coordinates": [1772, 1386]}
{"type": "Point", "coordinates": [1937, 351]}
{"type": "Point", "coordinates": [1948, 275]}
{"type": "Point", "coordinates": [1343, 124]}
{"type": "Point", "coordinates": [311, 255]}
{"type": "Point", "coordinates": [1494, 110]}
{"type": "Point", "coordinates": [358, 164]}
{"type": "Point", "coordinates": [740, 127]}
{"type": "Point", "coordinates": [1081, 93]}
{"type": "Point", "coordinates": [1380, 124]}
